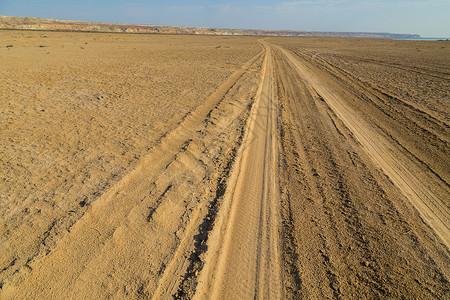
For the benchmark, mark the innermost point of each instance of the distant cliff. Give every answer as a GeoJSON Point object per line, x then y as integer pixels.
{"type": "Point", "coordinates": [66, 25]}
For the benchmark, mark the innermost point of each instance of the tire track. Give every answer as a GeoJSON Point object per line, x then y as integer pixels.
{"type": "Point", "coordinates": [344, 230]}
{"type": "Point", "coordinates": [148, 204]}
{"type": "Point", "coordinates": [243, 258]}
{"type": "Point", "coordinates": [427, 193]}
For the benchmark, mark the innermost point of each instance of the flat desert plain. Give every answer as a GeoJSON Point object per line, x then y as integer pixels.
{"type": "Point", "coordinates": [219, 167]}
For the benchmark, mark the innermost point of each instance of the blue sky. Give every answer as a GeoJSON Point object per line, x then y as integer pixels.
{"type": "Point", "coordinates": [429, 18]}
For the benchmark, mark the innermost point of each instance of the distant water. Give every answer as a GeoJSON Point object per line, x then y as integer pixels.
{"type": "Point", "coordinates": [423, 39]}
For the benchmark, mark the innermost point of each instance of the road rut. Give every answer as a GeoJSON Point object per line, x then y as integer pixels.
{"type": "Point", "coordinates": [243, 260]}
{"type": "Point", "coordinates": [426, 193]}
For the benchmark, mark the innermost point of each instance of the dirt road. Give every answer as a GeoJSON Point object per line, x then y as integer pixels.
{"type": "Point", "coordinates": [425, 190]}
{"type": "Point", "coordinates": [349, 227]}
{"type": "Point", "coordinates": [295, 178]}
{"type": "Point", "coordinates": [135, 239]}
{"type": "Point", "coordinates": [244, 252]}
{"type": "Point", "coordinates": [349, 203]}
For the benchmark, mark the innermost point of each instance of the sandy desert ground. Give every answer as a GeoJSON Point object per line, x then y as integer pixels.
{"type": "Point", "coordinates": [209, 167]}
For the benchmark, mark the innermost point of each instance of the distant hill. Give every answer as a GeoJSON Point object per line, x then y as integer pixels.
{"type": "Point", "coordinates": [67, 25]}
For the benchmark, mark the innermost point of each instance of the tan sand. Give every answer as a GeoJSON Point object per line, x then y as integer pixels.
{"type": "Point", "coordinates": [161, 166]}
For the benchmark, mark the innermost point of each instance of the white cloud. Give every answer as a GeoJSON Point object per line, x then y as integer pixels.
{"type": "Point", "coordinates": [226, 8]}
{"type": "Point", "coordinates": [223, 8]}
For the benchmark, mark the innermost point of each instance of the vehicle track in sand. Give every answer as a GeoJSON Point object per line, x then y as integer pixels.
{"type": "Point", "coordinates": [348, 232]}
{"type": "Point", "coordinates": [244, 250]}
{"type": "Point", "coordinates": [427, 192]}
{"type": "Point", "coordinates": [338, 225]}
{"type": "Point", "coordinates": [287, 182]}
{"type": "Point", "coordinates": [128, 239]}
